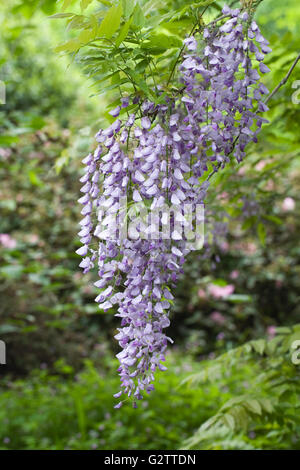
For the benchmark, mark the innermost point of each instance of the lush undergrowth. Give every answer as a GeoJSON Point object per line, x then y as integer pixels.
{"type": "Point", "coordinates": [245, 399]}
{"type": "Point", "coordinates": [46, 412]}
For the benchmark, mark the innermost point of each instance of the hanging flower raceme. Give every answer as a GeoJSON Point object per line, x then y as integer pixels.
{"type": "Point", "coordinates": [149, 170]}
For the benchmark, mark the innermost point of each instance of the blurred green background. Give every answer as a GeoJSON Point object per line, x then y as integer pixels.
{"type": "Point", "coordinates": [236, 310]}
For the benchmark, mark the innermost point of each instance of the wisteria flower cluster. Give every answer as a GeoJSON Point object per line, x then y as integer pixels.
{"type": "Point", "coordinates": [161, 158]}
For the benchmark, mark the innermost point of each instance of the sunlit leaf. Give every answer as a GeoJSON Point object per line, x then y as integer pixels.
{"type": "Point", "coordinates": [84, 4]}
{"type": "Point", "coordinates": [111, 21]}
{"type": "Point", "coordinates": [123, 32]}
{"type": "Point", "coordinates": [128, 7]}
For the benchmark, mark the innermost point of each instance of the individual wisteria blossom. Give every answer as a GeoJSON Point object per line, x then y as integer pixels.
{"type": "Point", "coordinates": [161, 159]}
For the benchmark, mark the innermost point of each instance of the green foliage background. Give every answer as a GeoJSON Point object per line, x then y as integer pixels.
{"type": "Point", "coordinates": [237, 387]}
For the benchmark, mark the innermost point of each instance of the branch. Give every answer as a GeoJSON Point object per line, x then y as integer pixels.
{"type": "Point", "coordinates": [220, 18]}
{"type": "Point", "coordinates": [193, 29]}
{"type": "Point", "coordinates": [179, 55]}
{"type": "Point", "coordinates": [281, 84]}
{"type": "Point", "coordinates": [215, 170]}
{"type": "Point", "coordinates": [283, 81]}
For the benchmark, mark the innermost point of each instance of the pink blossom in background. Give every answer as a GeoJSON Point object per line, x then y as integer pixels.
{"type": "Point", "coordinates": [33, 238]}
{"type": "Point", "coordinates": [260, 165]}
{"type": "Point", "coordinates": [288, 204]}
{"type": "Point", "coordinates": [5, 153]}
{"type": "Point", "coordinates": [220, 292]}
{"type": "Point", "coordinates": [201, 294]}
{"type": "Point", "coordinates": [7, 241]}
{"type": "Point", "coordinates": [271, 331]}
{"type": "Point", "coordinates": [250, 248]}
{"type": "Point", "coordinates": [234, 274]}
{"type": "Point", "coordinates": [87, 289]}
{"type": "Point", "coordinates": [224, 246]}
{"type": "Point", "coordinates": [66, 133]}
{"type": "Point", "coordinates": [77, 277]}
{"type": "Point", "coordinates": [218, 318]}
{"type": "Point", "coordinates": [270, 186]}
{"type": "Point", "coordinates": [223, 195]}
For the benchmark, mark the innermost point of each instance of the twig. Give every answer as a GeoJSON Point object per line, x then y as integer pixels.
{"type": "Point", "coordinates": [220, 18]}
{"type": "Point", "coordinates": [183, 47]}
{"type": "Point", "coordinates": [179, 55]}
{"type": "Point", "coordinates": [215, 170]}
{"type": "Point", "coordinates": [283, 81]}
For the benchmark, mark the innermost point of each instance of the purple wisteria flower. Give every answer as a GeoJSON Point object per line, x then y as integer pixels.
{"type": "Point", "coordinates": [160, 158]}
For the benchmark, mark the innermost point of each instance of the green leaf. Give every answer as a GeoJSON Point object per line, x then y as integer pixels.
{"type": "Point", "coordinates": [274, 219]}
{"type": "Point", "coordinates": [140, 82]}
{"type": "Point", "coordinates": [283, 330]}
{"type": "Point", "coordinates": [76, 22]}
{"type": "Point", "coordinates": [105, 2]}
{"type": "Point", "coordinates": [13, 271]}
{"type": "Point", "coordinates": [267, 405]}
{"type": "Point", "coordinates": [123, 32]}
{"type": "Point", "coordinates": [253, 406]}
{"type": "Point", "coordinates": [259, 346]}
{"type": "Point", "coordinates": [7, 140]}
{"type": "Point", "coordinates": [111, 21]}
{"type": "Point", "coordinates": [66, 4]}
{"type": "Point", "coordinates": [84, 4]}
{"type": "Point", "coordinates": [229, 421]}
{"type": "Point", "coordinates": [86, 35]}
{"type": "Point", "coordinates": [261, 232]}
{"type": "Point", "coordinates": [115, 78]}
{"type": "Point", "coordinates": [61, 15]}
{"type": "Point", "coordinates": [219, 282]}
{"type": "Point", "coordinates": [102, 78]}
{"type": "Point", "coordinates": [239, 298]}
{"type": "Point", "coordinates": [4, 329]}
{"type": "Point", "coordinates": [161, 42]}
{"type": "Point", "coordinates": [249, 222]}
{"type": "Point", "coordinates": [62, 161]}
{"type": "Point", "coordinates": [34, 179]}
{"type": "Point", "coordinates": [128, 7]}
{"type": "Point", "coordinates": [69, 46]}
{"type": "Point", "coordinates": [138, 17]}
{"type": "Point", "coordinates": [112, 87]}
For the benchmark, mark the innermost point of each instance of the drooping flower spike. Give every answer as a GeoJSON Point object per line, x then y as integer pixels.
{"type": "Point", "coordinates": [157, 161]}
